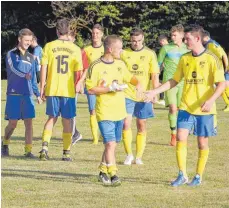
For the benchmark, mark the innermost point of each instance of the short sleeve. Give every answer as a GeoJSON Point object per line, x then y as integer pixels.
{"type": "Point", "coordinates": [44, 59]}
{"type": "Point", "coordinates": [218, 71]}
{"type": "Point", "coordinates": [179, 72]}
{"type": "Point", "coordinates": [92, 78]}
{"type": "Point", "coordinates": [154, 68]}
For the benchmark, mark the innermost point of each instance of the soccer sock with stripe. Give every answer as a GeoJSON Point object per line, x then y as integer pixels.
{"type": "Point", "coordinates": [172, 122]}
{"type": "Point", "coordinates": [28, 148]}
{"type": "Point", "coordinates": [112, 169]}
{"type": "Point", "coordinates": [47, 134]}
{"type": "Point", "coordinates": [140, 144]}
{"type": "Point", "coordinates": [202, 160]}
{"type": "Point", "coordinates": [94, 128]}
{"type": "Point", "coordinates": [103, 167]}
{"type": "Point", "coordinates": [127, 141]}
{"type": "Point", "coordinates": [6, 141]}
{"type": "Point", "coordinates": [181, 153]}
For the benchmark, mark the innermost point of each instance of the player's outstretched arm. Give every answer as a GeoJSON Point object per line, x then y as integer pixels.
{"type": "Point", "coordinates": [42, 81]}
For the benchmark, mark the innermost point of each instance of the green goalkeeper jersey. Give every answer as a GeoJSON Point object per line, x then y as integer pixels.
{"type": "Point", "coordinates": [169, 56]}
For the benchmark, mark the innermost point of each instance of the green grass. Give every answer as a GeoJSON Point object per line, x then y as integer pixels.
{"type": "Point", "coordinates": [33, 183]}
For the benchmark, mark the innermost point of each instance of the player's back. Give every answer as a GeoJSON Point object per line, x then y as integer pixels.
{"type": "Point", "coordinates": [63, 59]}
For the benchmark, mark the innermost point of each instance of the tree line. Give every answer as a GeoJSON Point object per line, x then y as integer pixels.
{"type": "Point", "coordinates": [119, 18]}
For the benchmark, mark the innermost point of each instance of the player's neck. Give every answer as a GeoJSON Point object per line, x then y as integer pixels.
{"type": "Point", "coordinates": [63, 37]}
{"type": "Point", "coordinates": [97, 44]}
{"type": "Point", "coordinates": [21, 49]}
{"type": "Point", "coordinates": [198, 50]}
{"type": "Point", "coordinates": [107, 57]}
{"type": "Point", "coordinates": [179, 44]}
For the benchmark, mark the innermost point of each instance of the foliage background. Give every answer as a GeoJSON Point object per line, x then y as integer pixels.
{"type": "Point", "coordinates": [154, 18]}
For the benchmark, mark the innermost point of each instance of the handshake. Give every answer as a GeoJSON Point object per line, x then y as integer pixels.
{"type": "Point", "coordinates": [115, 86]}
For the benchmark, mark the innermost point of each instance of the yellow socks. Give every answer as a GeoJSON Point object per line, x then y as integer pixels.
{"type": "Point", "coordinates": [112, 169]}
{"type": "Point", "coordinates": [202, 160]}
{"type": "Point", "coordinates": [172, 122]}
{"type": "Point", "coordinates": [140, 144]}
{"type": "Point", "coordinates": [67, 141]}
{"type": "Point", "coordinates": [47, 134]}
{"type": "Point", "coordinates": [181, 152]}
{"type": "Point", "coordinates": [127, 141]}
{"type": "Point", "coordinates": [94, 128]}
{"type": "Point", "coordinates": [225, 95]}
{"type": "Point", "coordinates": [28, 148]}
{"type": "Point", "coordinates": [6, 141]}
{"type": "Point", "coordinates": [103, 167]}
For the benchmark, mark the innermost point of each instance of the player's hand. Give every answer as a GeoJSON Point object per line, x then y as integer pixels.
{"type": "Point", "coordinates": [81, 90]}
{"type": "Point", "coordinates": [115, 87]}
{"type": "Point", "coordinates": [206, 107]}
{"type": "Point", "coordinates": [149, 96]}
{"type": "Point", "coordinates": [39, 100]}
{"type": "Point", "coordinates": [28, 76]}
{"type": "Point", "coordinates": [43, 95]}
{"type": "Point", "coordinates": [78, 87]}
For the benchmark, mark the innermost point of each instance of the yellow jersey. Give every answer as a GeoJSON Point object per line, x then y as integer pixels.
{"type": "Point", "coordinates": [63, 59]}
{"type": "Point", "coordinates": [109, 106]}
{"type": "Point", "coordinates": [93, 53]}
{"type": "Point", "coordinates": [142, 64]}
{"type": "Point", "coordinates": [200, 73]}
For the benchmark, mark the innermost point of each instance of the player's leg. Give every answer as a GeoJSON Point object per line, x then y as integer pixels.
{"type": "Point", "coordinates": [127, 132]}
{"type": "Point", "coordinates": [12, 114]}
{"type": "Point", "coordinates": [185, 124]}
{"type": "Point", "coordinates": [142, 112]}
{"type": "Point", "coordinates": [53, 111]}
{"type": "Point", "coordinates": [68, 111]}
{"type": "Point", "coordinates": [204, 128]}
{"type": "Point", "coordinates": [171, 101]}
{"type": "Point", "coordinates": [93, 120]}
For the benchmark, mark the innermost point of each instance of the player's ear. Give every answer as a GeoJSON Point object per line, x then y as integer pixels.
{"type": "Point", "coordinates": [19, 39]}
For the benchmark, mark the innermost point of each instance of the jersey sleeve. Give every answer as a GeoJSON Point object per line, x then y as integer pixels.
{"type": "Point", "coordinates": [84, 59]}
{"type": "Point", "coordinates": [154, 68]}
{"type": "Point", "coordinates": [218, 71]}
{"type": "Point", "coordinates": [179, 72]}
{"type": "Point", "coordinates": [78, 61]}
{"type": "Point", "coordinates": [44, 59]}
{"type": "Point", "coordinates": [127, 76]}
{"type": "Point", "coordinates": [161, 56]}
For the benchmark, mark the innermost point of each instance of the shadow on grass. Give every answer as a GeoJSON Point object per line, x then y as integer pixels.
{"type": "Point", "coordinates": [160, 144]}
{"type": "Point", "coordinates": [49, 175]}
{"type": "Point", "coordinates": [15, 138]}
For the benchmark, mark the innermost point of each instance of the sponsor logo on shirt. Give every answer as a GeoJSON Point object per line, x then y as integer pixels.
{"type": "Point", "coordinates": [135, 67]}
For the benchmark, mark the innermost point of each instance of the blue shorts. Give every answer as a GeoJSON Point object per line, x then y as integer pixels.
{"type": "Point", "coordinates": [202, 125]}
{"type": "Point", "coordinates": [140, 110]}
{"type": "Point", "coordinates": [60, 105]}
{"type": "Point", "coordinates": [226, 76]}
{"type": "Point", "coordinates": [19, 107]}
{"type": "Point", "coordinates": [111, 130]}
{"type": "Point", "coordinates": [91, 100]}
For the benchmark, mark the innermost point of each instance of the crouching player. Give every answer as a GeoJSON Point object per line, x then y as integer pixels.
{"type": "Point", "coordinates": [104, 78]}
{"type": "Point", "coordinates": [200, 69]}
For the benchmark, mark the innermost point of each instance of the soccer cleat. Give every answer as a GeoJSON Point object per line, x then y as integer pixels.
{"type": "Point", "coordinates": [43, 155]}
{"type": "Point", "coordinates": [76, 137]}
{"type": "Point", "coordinates": [5, 150]}
{"type": "Point", "coordinates": [173, 140]}
{"type": "Point", "coordinates": [103, 177]}
{"type": "Point", "coordinates": [226, 109]}
{"type": "Point", "coordinates": [129, 159]}
{"type": "Point", "coordinates": [115, 181]}
{"type": "Point", "coordinates": [29, 155]}
{"type": "Point", "coordinates": [139, 161]}
{"type": "Point", "coordinates": [181, 179]}
{"type": "Point", "coordinates": [67, 157]}
{"type": "Point", "coordinates": [196, 181]}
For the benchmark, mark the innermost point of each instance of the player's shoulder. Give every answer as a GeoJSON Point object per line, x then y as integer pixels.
{"type": "Point", "coordinates": [148, 50]}
{"type": "Point", "coordinates": [120, 62]}
{"type": "Point", "coordinates": [187, 55]}
{"type": "Point", "coordinates": [210, 54]}
{"type": "Point", "coordinates": [96, 63]}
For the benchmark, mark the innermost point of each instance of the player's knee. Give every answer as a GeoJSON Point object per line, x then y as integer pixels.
{"type": "Point", "coordinates": [13, 124]}
{"type": "Point", "coordinates": [110, 145]}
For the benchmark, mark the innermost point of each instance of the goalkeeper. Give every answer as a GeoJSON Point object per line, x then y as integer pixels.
{"type": "Point", "coordinates": [106, 77]}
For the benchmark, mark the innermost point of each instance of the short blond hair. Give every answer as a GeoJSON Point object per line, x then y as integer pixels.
{"type": "Point", "coordinates": [110, 40]}
{"type": "Point", "coordinates": [177, 28]}
{"type": "Point", "coordinates": [25, 32]}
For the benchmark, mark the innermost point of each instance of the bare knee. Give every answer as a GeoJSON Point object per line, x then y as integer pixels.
{"type": "Point", "coordinates": [13, 124]}
{"type": "Point", "coordinates": [203, 143]}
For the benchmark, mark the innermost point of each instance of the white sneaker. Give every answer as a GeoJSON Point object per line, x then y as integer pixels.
{"type": "Point", "coordinates": [139, 161]}
{"type": "Point", "coordinates": [129, 159]}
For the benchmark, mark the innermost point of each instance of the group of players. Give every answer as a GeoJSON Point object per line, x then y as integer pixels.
{"type": "Point", "coordinates": [118, 84]}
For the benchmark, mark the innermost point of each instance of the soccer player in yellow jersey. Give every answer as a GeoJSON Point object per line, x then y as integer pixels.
{"type": "Point", "coordinates": [105, 79]}
{"type": "Point", "coordinates": [60, 62]}
{"type": "Point", "coordinates": [200, 70]}
{"type": "Point", "coordinates": [141, 62]}
{"type": "Point", "coordinates": [214, 47]}
{"type": "Point", "coordinates": [93, 52]}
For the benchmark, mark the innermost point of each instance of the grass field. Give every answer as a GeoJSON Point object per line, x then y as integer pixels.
{"type": "Point", "coordinates": [32, 183]}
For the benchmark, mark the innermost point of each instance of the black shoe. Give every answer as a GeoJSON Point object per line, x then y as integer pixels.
{"type": "Point", "coordinates": [5, 150]}
{"type": "Point", "coordinates": [67, 157]}
{"type": "Point", "coordinates": [115, 181]}
{"type": "Point", "coordinates": [29, 155]}
{"type": "Point", "coordinates": [44, 155]}
{"type": "Point", "coordinates": [76, 137]}
{"type": "Point", "coordinates": [103, 177]}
